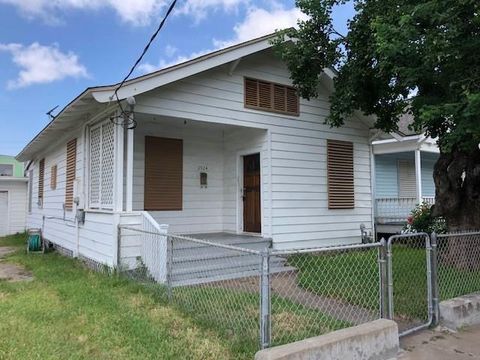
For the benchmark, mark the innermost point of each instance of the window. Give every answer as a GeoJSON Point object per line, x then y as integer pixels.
{"type": "Point", "coordinates": [41, 178]}
{"type": "Point", "coordinates": [102, 157]}
{"type": "Point", "coordinates": [268, 96]}
{"type": "Point", "coordinates": [70, 173]}
{"type": "Point", "coordinates": [340, 175]}
{"type": "Point", "coordinates": [53, 177]}
{"type": "Point", "coordinates": [6, 170]}
{"type": "Point", "coordinates": [407, 184]}
{"type": "Point", "coordinates": [163, 174]}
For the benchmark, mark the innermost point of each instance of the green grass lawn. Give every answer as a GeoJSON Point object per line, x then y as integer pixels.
{"type": "Point", "coordinates": [70, 312]}
{"type": "Point", "coordinates": [353, 277]}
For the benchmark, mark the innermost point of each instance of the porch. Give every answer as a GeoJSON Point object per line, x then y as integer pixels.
{"type": "Point", "coordinates": [403, 179]}
{"type": "Point", "coordinates": [204, 184]}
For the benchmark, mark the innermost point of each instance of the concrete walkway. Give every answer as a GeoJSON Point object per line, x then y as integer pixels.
{"type": "Point", "coordinates": [441, 345]}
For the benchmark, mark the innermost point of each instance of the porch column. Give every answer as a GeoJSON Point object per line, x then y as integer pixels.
{"type": "Point", "coordinates": [129, 171]}
{"type": "Point", "coordinates": [418, 174]}
{"type": "Point", "coordinates": [118, 169]}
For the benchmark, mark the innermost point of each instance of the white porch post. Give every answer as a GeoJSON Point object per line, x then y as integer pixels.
{"type": "Point", "coordinates": [129, 171]}
{"type": "Point", "coordinates": [118, 169]}
{"type": "Point", "coordinates": [418, 174]}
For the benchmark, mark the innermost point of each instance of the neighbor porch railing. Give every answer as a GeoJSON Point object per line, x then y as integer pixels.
{"type": "Point", "coordinates": [396, 210]}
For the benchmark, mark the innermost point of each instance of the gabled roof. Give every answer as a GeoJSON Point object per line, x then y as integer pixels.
{"type": "Point", "coordinates": [95, 99]}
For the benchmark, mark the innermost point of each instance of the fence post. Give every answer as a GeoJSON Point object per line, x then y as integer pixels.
{"type": "Point", "coordinates": [169, 244]}
{"type": "Point", "coordinates": [382, 262]}
{"type": "Point", "coordinates": [434, 276]}
{"type": "Point", "coordinates": [265, 329]}
{"type": "Point", "coordinates": [389, 279]}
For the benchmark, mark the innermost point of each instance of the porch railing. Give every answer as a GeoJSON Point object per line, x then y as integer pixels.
{"type": "Point", "coordinates": [154, 248]}
{"type": "Point", "coordinates": [396, 210]}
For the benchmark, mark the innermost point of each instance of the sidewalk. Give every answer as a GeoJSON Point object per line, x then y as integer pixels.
{"type": "Point", "coordinates": [438, 345]}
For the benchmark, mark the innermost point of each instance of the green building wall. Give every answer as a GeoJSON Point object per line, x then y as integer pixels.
{"type": "Point", "coordinates": [17, 166]}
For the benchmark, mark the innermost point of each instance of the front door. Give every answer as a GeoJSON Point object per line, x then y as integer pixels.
{"type": "Point", "coordinates": [251, 194]}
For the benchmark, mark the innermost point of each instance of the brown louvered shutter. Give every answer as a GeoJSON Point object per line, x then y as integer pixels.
{"type": "Point", "coordinates": [53, 177]}
{"type": "Point", "coordinates": [41, 179]}
{"type": "Point", "coordinates": [70, 173]}
{"type": "Point", "coordinates": [268, 96]}
{"type": "Point", "coordinates": [163, 174]}
{"type": "Point", "coordinates": [340, 175]}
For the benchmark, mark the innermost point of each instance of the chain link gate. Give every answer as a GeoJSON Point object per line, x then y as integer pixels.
{"type": "Point", "coordinates": [409, 284]}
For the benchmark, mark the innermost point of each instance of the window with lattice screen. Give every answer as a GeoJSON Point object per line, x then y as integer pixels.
{"type": "Point", "coordinates": [340, 178]}
{"type": "Point", "coordinates": [102, 161]}
{"type": "Point", "coordinates": [41, 181]}
{"type": "Point", "coordinates": [70, 173]}
{"type": "Point", "coordinates": [268, 96]}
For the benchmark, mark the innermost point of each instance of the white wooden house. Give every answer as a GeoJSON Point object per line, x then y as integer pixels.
{"type": "Point", "coordinates": [222, 144]}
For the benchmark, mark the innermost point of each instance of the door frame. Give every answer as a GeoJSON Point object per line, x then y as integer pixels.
{"type": "Point", "coordinates": [239, 192]}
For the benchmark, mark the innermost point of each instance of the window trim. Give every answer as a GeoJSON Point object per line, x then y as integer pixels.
{"type": "Point", "coordinates": [69, 180]}
{"type": "Point", "coordinates": [180, 200]}
{"type": "Point", "coordinates": [12, 168]}
{"type": "Point", "coordinates": [337, 201]}
{"type": "Point", "coordinates": [41, 182]}
{"type": "Point", "coordinates": [53, 177]}
{"type": "Point", "coordinates": [272, 86]}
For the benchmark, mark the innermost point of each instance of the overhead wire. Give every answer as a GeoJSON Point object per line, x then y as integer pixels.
{"type": "Point", "coordinates": [131, 123]}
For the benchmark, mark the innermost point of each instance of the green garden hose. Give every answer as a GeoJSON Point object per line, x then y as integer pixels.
{"type": "Point", "coordinates": [34, 243]}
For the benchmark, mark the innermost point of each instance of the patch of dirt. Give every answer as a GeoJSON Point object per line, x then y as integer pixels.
{"type": "Point", "coordinates": [5, 250]}
{"type": "Point", "coordinates": [12, 272]}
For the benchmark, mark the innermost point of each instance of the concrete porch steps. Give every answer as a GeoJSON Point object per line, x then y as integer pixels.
{"type": "Point", "coordinates": [195, 263]}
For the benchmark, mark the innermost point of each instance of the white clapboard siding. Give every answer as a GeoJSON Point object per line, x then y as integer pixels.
{"type": "Point", "coordinates": [202, 147]}
{"type": "Point", "coordinates": [13, 212]}
{"type": "Point", "coordinates": [96, 238]}
{"type": "Point", "coordinates": [293, 153]}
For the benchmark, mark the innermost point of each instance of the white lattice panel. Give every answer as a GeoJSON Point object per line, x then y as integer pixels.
{"type": "Point", "coordinates": [95, 165]}
{"type": "Point", "coordinates": [102, 165]}
{"type": "Point", "coordinates": [108, 164]}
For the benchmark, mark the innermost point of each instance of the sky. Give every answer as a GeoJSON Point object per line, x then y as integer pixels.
{"type": "Point", "coordinates": [51, 50]}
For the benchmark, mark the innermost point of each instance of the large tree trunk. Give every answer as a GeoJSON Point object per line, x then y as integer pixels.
{"type": "Point", "coordinates": [457, 199]}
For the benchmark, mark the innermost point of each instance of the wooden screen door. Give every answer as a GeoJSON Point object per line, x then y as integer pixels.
{"type": "Point", "coordinates": [251, 194]}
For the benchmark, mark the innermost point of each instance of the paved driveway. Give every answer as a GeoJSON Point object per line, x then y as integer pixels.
{"type": "Point", "coordinates": [438, 345]}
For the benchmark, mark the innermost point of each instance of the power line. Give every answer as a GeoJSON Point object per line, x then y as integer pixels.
{"type": "Point", "coordinates": [152, 38]}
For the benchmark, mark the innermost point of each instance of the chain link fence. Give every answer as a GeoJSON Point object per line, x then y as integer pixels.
{"type": "Point", "coordinates": [409, 282]}
{"type": "Point", "coordinates": [257, 297]}
{"type": "Point", "coordinates": [328, 289]}
{"type": "Point", "coordinates": [458, 262]}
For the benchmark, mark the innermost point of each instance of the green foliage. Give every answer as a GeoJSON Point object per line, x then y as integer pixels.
{"type": "Point", "coordinates": [421, 219]}
{"type": "Point", "coordinates": [420, 55]}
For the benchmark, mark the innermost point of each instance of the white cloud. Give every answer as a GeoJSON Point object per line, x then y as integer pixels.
{"type": "Point", "coordinates": [136, 12]}
{"type": "Point", "coordinates": [200, 8]}
{"type": "Point", "coordinates": [41, 64]}
{"type": "Point", "coordinates": [170, 50]}
{"type": "Point", "coordinates": [259, 22]}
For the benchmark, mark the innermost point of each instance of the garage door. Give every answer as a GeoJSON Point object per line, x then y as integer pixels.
{"type": "Point", "coordinates": [3, 213]}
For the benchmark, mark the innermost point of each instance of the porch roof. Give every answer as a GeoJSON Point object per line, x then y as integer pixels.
{"type": "Point", "coordinates": [405, 144]}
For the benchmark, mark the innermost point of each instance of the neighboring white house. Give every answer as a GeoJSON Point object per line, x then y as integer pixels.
{"type": "Point", "coordinates": [403, 176]}
{"type": "Point", "coordinates": [222, 143]}
{"type": "Point", "coordinates": [13, 196]}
